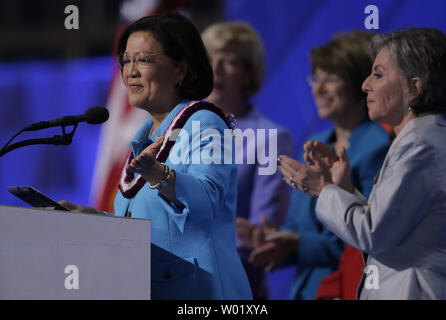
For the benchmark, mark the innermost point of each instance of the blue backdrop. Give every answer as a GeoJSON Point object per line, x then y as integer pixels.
{"type": "Point", "coordinates": [41, 90]}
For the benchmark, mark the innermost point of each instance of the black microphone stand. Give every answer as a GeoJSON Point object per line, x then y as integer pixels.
{"type": "Point", "coordinates": [64, 139]}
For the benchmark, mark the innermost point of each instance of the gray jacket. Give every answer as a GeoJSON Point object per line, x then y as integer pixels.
{"type": "Point", "coordinates": [402, 226]}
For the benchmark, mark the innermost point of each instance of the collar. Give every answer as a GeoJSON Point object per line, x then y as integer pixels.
{"type": "Point", "coordinates": [329, 135]}
{"type": "Point", "coordinates": [437, 118]}
{"type": "Point", "coordinates": [359, 131]}
{"type": "Point", "coordinates": [141, 140]}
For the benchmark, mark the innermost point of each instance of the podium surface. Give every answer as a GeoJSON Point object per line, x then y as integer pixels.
{"type": "Point", "coordinates": [49, 254]}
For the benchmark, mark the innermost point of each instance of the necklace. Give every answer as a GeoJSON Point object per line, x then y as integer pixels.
{"type": "Point", "coordinates": [151, 132]}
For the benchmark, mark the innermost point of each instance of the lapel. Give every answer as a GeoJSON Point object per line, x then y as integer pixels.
{"type": "Point", "coordinates": [361, 283]}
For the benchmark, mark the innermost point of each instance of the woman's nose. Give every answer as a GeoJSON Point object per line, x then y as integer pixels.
{"type": "Point", "coordinates": [133, 69]}
{"type": "Point", "coordinates": [318, 87]}
{"type": "Point", "coordinates": [217, 67]}
{"type": "Point", "coordinates": [366, 85]}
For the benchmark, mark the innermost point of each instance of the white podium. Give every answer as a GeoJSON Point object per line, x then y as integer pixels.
{"type": "Point", "coordinates": [48, 254]}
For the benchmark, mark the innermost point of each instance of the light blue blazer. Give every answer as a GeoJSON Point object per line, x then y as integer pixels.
{"type": "Point", "coordinates": [402, 225]}
{"type": "Point", "coordinates": [319, 249]}
{"type": "Point", "coordinates": [194, 255]}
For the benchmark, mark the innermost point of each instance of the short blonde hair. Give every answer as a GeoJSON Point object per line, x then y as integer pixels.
{"type": "Point", "coordinates": [241, 34]}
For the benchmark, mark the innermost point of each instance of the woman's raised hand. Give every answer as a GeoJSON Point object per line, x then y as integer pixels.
{"type": "Point", "coordinates": [146, 164]}
{"type": "Point", "coordinates": [322, 156]}
{"type": "Point", "coordinates": [316, 152]}
{"type": "Point", "coordinates": [310, 178]}
{"type": "Point", "coordinates": [340, 172]}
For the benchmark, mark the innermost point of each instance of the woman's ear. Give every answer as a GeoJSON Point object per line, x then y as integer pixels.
{"type": "Point", "coordinates": [415, 87]}
{"type": "Point", "coordinates": [182, 70]}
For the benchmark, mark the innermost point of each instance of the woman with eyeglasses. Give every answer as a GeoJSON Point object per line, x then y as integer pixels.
{"type": "Point", "coordinates": [175, 175]}
{"type": "Point", "coordinates": [338, 69]}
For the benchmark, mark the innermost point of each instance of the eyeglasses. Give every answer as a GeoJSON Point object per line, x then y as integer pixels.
{"type": "Point", "coordinates": [141, 59]}
{"type": "Point", "coordinates": [329, 79]}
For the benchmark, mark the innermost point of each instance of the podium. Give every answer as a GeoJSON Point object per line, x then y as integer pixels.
{"type": "Point", "coordinates": [49, 254]}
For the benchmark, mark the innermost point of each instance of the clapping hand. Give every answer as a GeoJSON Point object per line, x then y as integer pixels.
{"type": "Point", "coordinates": [276, 248]}
{"type": "Point", "coordinates": [323, 167]}
{"type": "Point", "coordinates": [309, 178]}
{"type": "Point", "coordinates": [252, 235]}
{"type": "Point", "coordinates": [319, 154]}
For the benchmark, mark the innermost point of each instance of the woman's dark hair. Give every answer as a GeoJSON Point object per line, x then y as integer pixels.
{"type": "Point", "coordinates": [419, 52]}
{"type": "Point", "coordinates": [181, 42]}
{"type": "Point", "coordinates": [346, 55]}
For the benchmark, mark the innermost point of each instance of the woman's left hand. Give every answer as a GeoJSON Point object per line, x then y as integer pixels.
{"type": "Point", "coordinates": [73, 207]}
{"type": "Point", "coordinates": [251, 235]}
{"type": "Point", "coordinates": [310, 179]}
{"type": "Point", "coordinates": [277, 247]}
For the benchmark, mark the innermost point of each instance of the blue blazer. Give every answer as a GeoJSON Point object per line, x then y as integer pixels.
{"type": "Point", "coordinates": [319, 249]}
{"type": "Point", "coordinates": [194, 255]}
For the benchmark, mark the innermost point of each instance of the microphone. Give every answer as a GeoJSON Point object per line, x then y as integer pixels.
{"type": "Point", "coordinates": [94, 115]}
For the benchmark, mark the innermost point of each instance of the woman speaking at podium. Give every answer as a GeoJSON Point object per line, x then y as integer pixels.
{"type": "Point", "coordinates": [190, 199]}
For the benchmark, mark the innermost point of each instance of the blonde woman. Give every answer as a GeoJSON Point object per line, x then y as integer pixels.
{"type": "Point", "coordinates": [237, 58]}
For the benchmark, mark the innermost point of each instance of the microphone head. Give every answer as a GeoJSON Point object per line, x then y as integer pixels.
{"type": "Point", "coordinates": [96, 115]}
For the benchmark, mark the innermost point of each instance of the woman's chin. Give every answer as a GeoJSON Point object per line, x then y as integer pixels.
{"type": "Point", "coordinates": [140, 106]}
{"type": "Point", "coordinates": [215, 98]}
{"type": "Point", "coordinates": [376, 117]}
{"type": "Point", "coordinates": [137, 103]}
{"type": "Point", "coordinates": [324, 114]}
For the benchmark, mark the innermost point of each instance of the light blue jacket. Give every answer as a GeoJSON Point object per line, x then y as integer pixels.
{"type": "Point", "coordinates": [194, 255]}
